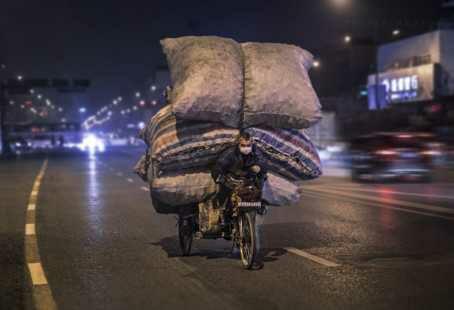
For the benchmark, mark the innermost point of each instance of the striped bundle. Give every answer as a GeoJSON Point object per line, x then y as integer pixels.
{"type": "Point", "coordinates": [181, 154]}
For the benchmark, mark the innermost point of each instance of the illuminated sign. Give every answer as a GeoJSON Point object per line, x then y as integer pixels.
{"type": "Point", "coordinates": [408, 84]}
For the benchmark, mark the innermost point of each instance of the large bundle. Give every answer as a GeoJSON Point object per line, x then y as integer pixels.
{"type": "Point", "coordinates": [278, 91]}
{"type": "Point", "coordinates": [278, 191]}
{"type": "Point", "coordinates": [252, 84]}
{"type": "Point", "coordinates": [288, 153]}
{"type": "Point", "coordinates": [207, 76]}
{"type": "Point", "coordinates": [182, 146]}
{"type": "Point", "coordinates": [174, 191]}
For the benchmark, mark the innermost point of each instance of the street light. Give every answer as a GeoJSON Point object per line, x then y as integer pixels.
{"type": "Point", "coordinates": [39, 96]}
{"type": "Point", "coordinates": [347, 39]}
{"type": "Point", "coordinates": [153, 88]}
{"type": "Point", "coordinates": [316, 63]}
{"type": "Point", "coordinates": [115, 102]}
{"type": "Point", "coordinates": [137, 94]}
{"type": "Point", "coordinates": [20, 77]}
{"type": "Point", "coordinates": [82, 110]}
{"type": "Point", "coordinates": [396, 32]}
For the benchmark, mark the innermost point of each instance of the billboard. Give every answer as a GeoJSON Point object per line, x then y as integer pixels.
{"type": "Point", "coordinates": [407, 85]}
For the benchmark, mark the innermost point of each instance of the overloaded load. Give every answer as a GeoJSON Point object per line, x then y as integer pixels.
{"type": "Point", "coordinates": [241, 85]}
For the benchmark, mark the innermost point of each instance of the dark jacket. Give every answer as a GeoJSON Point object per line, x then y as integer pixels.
{"type": "Point", "coordinates": [231, 161]}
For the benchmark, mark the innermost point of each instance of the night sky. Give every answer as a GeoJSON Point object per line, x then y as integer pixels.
{"type": "Point", "coordinates": [116, 43]}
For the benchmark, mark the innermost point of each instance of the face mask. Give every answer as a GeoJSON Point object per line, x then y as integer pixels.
{"type": "Point", "coordinates": [245, 150]}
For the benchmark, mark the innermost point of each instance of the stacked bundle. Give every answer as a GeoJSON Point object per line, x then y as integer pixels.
{"type": "Point", "coordinates": [220, 86]}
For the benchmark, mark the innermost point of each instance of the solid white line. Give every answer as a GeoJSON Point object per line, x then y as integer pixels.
{"type": "Point", "coordinates": [130, 180]}
{"type": "Point", "coordinates": [385, 200]}
{"type": "Point", "coordinates": [311, 257]}
{"type": "Point", "coordinates": [30, 229]}
{"type": "Point", "coordinates": [391, 192]}
{"type": "Point", "coordinates": [37, 274]}
{"type": "Point", "coordinates": [382, 205]}
{"type": "Point", "coordinates": [31, 207]}
{"type": "Point", "coordinates": [145, 188]}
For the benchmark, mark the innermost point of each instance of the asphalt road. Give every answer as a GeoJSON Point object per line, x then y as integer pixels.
{"type": "Point", "coordinates": [101, 245]}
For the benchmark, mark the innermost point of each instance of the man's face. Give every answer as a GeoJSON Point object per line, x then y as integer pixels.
{"type": "Point", "coordinates": [245, 146]}
{"type": "Point", "coordinates": [245, 142]}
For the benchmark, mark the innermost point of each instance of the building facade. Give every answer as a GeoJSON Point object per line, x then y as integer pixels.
{"type": "Point", "coordinates": [418, 69]}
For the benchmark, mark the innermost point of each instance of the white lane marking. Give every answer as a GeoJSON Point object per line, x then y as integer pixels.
{"type": "Point", "coordinates": [387, 200]}
{"type": "Point", "coordinates": [119, 174]}
{"type": "Point", "coordinates": [312, 257]}
{"type": "Point", "coordinates": [145, 188]}
{"type": "Point", "coordinates": [30, 229]}
{"type": "Point", "coordinates": [130, 180]}
{"type": "Point", "coordinates": [31, 207]}
{"type": "Point", "coordinates": [332, 196]}
{"type": "Point", "coordinates": [392, 192]}
{"type": "Point", "coordinates": [37, 274]}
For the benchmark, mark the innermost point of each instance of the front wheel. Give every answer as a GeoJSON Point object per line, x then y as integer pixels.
{"type": "Point", "coordinates": [249, 242]}
{"type": "Point", "coordinates": [185, 234]}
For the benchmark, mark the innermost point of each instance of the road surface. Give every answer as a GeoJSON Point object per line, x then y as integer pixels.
{"type": "Point", "coordinates": [79, 232]}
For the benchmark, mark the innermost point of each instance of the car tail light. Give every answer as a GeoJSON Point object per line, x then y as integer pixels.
{"type": "Point", "coordinates": [431, 153]}
{"type": "Point", "coordinates": [386, 152]}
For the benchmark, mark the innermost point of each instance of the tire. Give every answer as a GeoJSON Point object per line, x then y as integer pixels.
{"type": "Point", "coordinates": [249, 241]}
{"type": "Point", "coordinates": [185, 234]}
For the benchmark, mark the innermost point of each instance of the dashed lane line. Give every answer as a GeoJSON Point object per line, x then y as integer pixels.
{"type": "Point", "coordinates": [41, 291]}
{"type": "Point", "coordinates": [37, 274]}
{"type": "Point", "coordinates": [30, 229]}
{"type": "Point", "coordinates": [311, 257]}
{"type": "Point", "coordinates": [145, 188]}
{"type": "Point", "coordinates": [130, 180]}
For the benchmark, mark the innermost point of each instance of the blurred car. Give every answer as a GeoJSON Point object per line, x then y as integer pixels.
{"type": "Point", "coordinates": [392, 156]}
{"type": "Point", "coordinates": [19, 146]}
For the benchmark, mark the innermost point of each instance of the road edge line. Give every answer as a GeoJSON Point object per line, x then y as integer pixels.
{"type": "Point", "coordinates": [42, 294]}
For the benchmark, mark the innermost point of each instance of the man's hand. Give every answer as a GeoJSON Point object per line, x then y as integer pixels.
{"type": "Point", "coordinates": [255, 169]}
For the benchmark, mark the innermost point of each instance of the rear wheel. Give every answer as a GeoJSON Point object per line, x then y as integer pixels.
{"type": "Point", "coordinates": [185, 234]}
{"type": "Point", "coordinates": [249, 242]}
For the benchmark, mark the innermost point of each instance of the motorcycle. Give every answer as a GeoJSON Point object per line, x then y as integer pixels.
{"type": "Point", "coordinates": [234, 219]}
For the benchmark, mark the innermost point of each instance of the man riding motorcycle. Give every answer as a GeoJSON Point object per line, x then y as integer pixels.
{"type": "Point", "coordinates": [241, 160]}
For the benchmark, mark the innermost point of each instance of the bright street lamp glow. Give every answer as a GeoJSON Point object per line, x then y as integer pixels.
{"type": "Point", "coordinates": [142, 102]}
{"type": "Point", "coordinates": [348, 39]}
{"type": "Point", "coordinates": [39, 96]}
{"type": "Point", "coordinates": [115, 102]}
{"type": "Point", "coordinates": [82, 110]}
{"type": "Point", "coordinates": [316, 64]}
{"type": "Point", "coordinates": [396, 32]}
{"type": "Point", "coordinates": [120, 98]}
{"type": "Point", "coordinates": [20, 77]}
{"type": "Point", "coordinates": [137, 94]}
{"type": "Point", "coordinates": [141, 125]}
{"type": "Point", "coordinates": [153, 88]}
